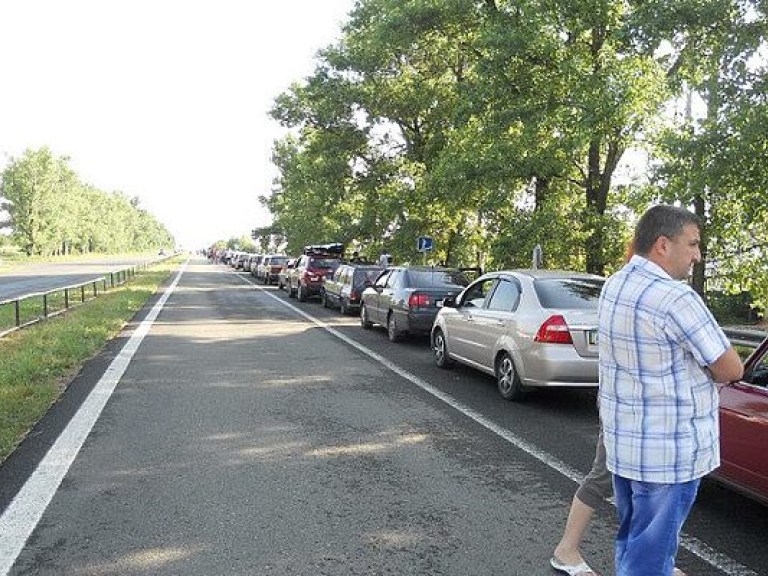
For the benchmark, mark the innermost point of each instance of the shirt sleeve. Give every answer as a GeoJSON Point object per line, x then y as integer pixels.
{"type": "Point", "coordinates": [691, 324]}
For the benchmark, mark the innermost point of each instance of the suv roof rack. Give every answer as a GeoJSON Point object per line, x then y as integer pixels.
{"type": "Point", "coordinates": [335, 249]}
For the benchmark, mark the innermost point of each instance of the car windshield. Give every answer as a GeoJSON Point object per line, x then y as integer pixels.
{"type": "Point", "coordinates": [569, 293]}
{"type": "Point", "coordinates": [436, 278]}
{"type": "Point", "coordinates": [323, 263]}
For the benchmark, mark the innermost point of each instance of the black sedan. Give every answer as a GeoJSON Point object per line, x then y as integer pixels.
{"type": "Point", "coordinates": [406, 299]}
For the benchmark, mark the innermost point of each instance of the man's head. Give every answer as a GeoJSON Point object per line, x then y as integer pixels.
{"type": "Point", "coordinates": [670, 237]}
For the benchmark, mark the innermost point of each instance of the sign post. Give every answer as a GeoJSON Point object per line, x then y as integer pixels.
{"type": "Point", "coordinates": [537, 257]}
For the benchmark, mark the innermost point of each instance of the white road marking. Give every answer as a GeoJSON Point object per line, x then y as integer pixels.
{"type": "Point", "coordinates": [690, 543]}
{"type": "Point", "coordinates": [24, 512]}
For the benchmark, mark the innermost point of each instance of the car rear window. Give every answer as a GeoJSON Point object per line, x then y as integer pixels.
{"type": "Point", "coordinates": [569, 293]}
{"type": "Point", "coordinates": [324, 263]}
{"type": "Point", "coordinates": [432, 278]}
{"type": "Point", "coordinates": [278, 260]}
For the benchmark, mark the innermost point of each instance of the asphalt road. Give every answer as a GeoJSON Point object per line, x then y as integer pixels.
{"type": "Point", "coordinates": [252, 434]}
{"type": "Point", "coordinates": [35, 278]}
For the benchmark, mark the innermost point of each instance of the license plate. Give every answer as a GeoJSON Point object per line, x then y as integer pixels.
{"type": "Point", "coordinates": [592, 337]}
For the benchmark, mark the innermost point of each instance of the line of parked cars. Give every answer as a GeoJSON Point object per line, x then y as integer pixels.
{"type": "Point", "coordinates": [527, 328]}
{"type": "Point", "coordinates": [264, 267]}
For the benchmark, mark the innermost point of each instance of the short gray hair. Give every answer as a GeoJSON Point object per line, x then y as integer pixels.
{"type": "Point", "coordinates": [661, 220]}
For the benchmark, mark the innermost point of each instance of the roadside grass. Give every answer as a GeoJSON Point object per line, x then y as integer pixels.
{"type": "Point", "coordinates": [38, 362]}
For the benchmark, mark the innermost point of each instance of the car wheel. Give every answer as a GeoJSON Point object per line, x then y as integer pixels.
{"type": "Point", "coordinates": [291, 291]}
{"type": "Point", "coordinates": [324, 299]}
{"type": "Point", "coordinates": [302, 294]}
{"type": "Point", "coordinates": [508, 380]}
{"type": "Point", "coordinates": [365, 322]}
{"type": "Point", "coordinates": [343, 307]}
{"type": "Point", "coordinates": [440, 348]}
{"type": "Point", "coordinates": [392, 332]}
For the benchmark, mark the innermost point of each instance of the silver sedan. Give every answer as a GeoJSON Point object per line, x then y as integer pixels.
{"type": "Point", "coordinates": [528, 328]}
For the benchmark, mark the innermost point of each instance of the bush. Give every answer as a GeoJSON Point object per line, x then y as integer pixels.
{"type": "Point", "coordinates": [732, 308]}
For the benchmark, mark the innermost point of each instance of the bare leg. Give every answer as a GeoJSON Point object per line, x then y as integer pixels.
{"type": "Point", "coordinates": [579, 516]}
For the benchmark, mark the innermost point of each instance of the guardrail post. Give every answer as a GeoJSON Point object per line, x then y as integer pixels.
{"type": "Point", "coordinates": [114, 279]}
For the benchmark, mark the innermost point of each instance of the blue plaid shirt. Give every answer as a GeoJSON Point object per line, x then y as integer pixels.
{"type": "Point", "coordinates": [658, 403]}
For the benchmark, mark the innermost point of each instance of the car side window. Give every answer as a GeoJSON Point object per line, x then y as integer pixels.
{"type": "Point", "coordinates": [394, 278]}
{"type": "Point", "coordinates": [759, 374]}
{"type": "Point", "coordinates": [381, 281]}
{"type": "Point", "coordinates": [475, 295]}
{"type": "Point", "coordinates": [505, 297]}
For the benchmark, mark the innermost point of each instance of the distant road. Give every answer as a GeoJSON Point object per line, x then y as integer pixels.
{"type": "Point", "coordinates": [42, 277]}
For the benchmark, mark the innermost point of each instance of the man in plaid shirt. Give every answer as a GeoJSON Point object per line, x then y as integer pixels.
{"type": "Point", "coordinates": [661, 352]}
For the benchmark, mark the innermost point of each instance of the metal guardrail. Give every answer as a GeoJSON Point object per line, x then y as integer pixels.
{"type": "Point", "coordinates": [68, 297]}
{"type": "Point", "coordinates": [745, 336]}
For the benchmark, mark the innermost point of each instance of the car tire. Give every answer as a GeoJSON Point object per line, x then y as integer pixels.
{"type": "Point", "coordinates": [440, 348]}
{"type": "Point", "coordinates": [508, 380]}
{"type": "Point", "coordinates": [301, 294]}
{"type": "Point", "coordinates": [343, 307]}
{"type": "Point", "coordinates": [324, 300]}
{"type": "Point", "coordinates": [393, 333]}
{"type": "Point", "coordinates": [364, 320]}
{"type": "Point", "coordinates": [291, 291]}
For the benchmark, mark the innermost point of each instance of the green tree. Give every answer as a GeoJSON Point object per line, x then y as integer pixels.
{"type": "Point", "coordinates": [706, 160]}
{"type": "Point", "coordinates": [52, 212]}
{"type": "Point", "coordinates": [37, 188]}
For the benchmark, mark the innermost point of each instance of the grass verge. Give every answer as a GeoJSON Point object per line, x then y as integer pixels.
{"type": "Point", "coordinates": [38, 362]}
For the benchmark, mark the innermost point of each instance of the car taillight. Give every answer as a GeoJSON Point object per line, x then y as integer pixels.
{"type": "Point", "coordinates": [554, 331]}
{"type": "Point", "coordinates": [417, 300]}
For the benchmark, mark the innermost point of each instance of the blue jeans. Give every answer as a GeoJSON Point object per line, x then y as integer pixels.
{"type": "Point", "coordinates": [650, 519]}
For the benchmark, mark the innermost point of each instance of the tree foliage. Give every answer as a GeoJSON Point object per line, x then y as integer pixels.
{"type": "Point", "coordinates": [52, 212]}
{"type": "Point", "coordinates": [498, 125]}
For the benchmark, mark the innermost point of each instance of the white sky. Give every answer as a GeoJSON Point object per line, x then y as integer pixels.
{"type": "Point", "coordinates": [166, 100]}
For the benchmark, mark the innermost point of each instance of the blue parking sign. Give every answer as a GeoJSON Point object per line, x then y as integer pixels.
{"type": "Point", "coordinates": [424, 244]}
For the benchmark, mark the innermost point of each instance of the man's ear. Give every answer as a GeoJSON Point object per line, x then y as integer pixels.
{"type": "Point", "coordinates": [661, 246]}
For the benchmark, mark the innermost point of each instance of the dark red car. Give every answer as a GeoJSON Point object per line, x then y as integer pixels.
{"type": "Point", "coordinates": [744, 428]}
{"type": "Point", "coordinates": [316, 262]}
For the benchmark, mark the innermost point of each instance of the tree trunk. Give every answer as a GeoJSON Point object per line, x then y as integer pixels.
{"type": "Point", "coordinates": [698, 280]}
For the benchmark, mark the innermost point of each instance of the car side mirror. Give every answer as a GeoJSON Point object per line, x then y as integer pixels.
{"type": "Point", "coordinates": [449, 302]}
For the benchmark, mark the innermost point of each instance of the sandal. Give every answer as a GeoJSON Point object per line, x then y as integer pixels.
{"type": "Point", "coordinates": [582, 569]}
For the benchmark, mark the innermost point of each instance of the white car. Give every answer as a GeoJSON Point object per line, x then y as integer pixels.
{"type": "Point", "coordinates": [528, 328]}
